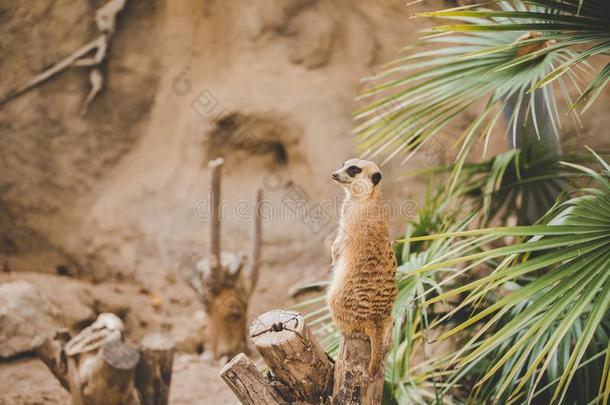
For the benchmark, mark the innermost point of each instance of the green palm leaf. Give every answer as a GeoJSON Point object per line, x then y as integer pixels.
{"type": "Point", "coordinates": [520, 182]}
{"type": "Point", "coordinates": [555, 316]}
{"type": "Point", "coordinates": [490, 56]}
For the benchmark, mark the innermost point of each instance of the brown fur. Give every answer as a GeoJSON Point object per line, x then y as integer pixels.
{"type": "Point", "coordinates": [363, 290]}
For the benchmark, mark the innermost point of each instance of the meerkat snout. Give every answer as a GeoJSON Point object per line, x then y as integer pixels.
{"type": "Point", "coordinates": [358, 177]}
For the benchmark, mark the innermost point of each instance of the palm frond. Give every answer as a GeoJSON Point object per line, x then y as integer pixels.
{"type": "Point", "coordinates": [521, 182]}
{"type": "Point", "coordinates": [490, 56]}
{"type": "Point", "coordinates": [555, 315]}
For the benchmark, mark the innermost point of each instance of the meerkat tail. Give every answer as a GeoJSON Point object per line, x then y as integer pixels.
{"type": "Point", "coordinates": [375, 334]}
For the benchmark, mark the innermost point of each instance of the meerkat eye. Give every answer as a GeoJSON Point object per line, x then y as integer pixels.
{"type": "Point", "coordinates": [376, 178]}
{"type": "Point", "coordinates": [353, 170]}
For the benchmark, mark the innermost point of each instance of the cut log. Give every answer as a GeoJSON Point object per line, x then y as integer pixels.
{"type": "Point", "coordinates": [293, 354]}
{"type": "Point", "coordinates": [248, 384]}
{"type": "Point", "coordinates": [154, 372]}
{"type": "Point", "coordinates": [109, 378]}
{"type": "Point", "coordinates": [352, 384]}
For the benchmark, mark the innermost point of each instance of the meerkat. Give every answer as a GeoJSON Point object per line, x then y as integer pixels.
{"type": "Point", "coordinates": [363, 289]}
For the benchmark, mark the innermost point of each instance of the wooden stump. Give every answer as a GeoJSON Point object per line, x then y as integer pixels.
{"type": "Point", "coordinates": [109, 378]}
{"type": "Point", "coordinates": [293, 354]}
{"type": "Point", "coordinates": [248, 384]}
{"type": "Point", "coordinates": [154, 372]}
{"type": "Point", "coordinates": [224, 281]}
{"type": "Point", "coordinates": [114, 374]}
{"type": "Point", "coordinates": [301, 372]}
{"type": "Point", "coordinates": [352, 383]}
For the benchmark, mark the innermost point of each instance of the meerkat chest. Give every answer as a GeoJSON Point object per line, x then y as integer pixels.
{"type": "Point", "coordinates": [361, 239]}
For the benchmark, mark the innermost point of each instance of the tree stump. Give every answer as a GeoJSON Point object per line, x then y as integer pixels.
{"type": "Point", "coordinates": [220, 281]}
{"type": "Point", "coordinates": [98, 368]}
{"type": "Point", "coordinates": [108, 379]}
{"type": "Point", "coordinates": [248, 384]}
{"type": "Point", "coordinates": [301, 372]}
{"type": "Point", "coordinates": [293, 354]}
{"type": "Point", "coordinates": [154, 372]}
{"type": "Point", "coordinates": [352, 384]}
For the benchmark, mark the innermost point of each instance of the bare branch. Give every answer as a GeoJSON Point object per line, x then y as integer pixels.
{"type": "Point", "coordinates": [255, 254]}
{"type": "Point", "coordinates": [105, 19]}
{"type": "Point", "coordinates": [53, 70]}
{"type": "Point", "coordinates": [215, 175]}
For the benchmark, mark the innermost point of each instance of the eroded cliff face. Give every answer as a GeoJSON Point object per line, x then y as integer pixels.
{"type": "Point", "coordinates": [120, 191]}
{"type": "Point", "coordinates": [53, 161]}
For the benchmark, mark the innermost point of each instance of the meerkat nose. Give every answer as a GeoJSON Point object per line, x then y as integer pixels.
{"type": "Point", "coordinates": [335, 176]}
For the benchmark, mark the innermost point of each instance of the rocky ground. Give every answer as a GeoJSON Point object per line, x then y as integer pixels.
{"type": "Point", "coordinates": [56, 301]}
{"type": "Point", "coordinates": [26, 380]}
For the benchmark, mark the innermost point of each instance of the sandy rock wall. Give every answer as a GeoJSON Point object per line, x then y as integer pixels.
{"type": "Point", "coordinates": [53, 160]}
{"type": "Point", "coordinates": [120, 192]}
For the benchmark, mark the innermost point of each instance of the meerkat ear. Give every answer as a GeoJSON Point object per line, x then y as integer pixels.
{"type": "Point", "coordinates": [376, 178]}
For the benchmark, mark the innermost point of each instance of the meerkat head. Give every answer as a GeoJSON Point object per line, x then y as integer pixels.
{"type": "Point", "coordinates": [360, 178]}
